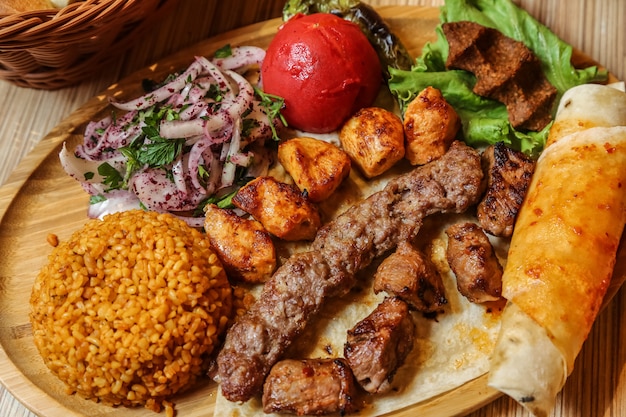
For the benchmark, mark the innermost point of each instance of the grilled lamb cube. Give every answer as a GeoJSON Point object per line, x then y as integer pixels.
{"type": "Point", "coordinates": [378, 345]}
{"type": "Point", "coordinates": [508, 175]}
{"type": "Point", "coordinates": [410, 275]}
{"type": "Point", "coordinates": [310, 387]}
{"type": "Point", "coordinates": [473, 261]}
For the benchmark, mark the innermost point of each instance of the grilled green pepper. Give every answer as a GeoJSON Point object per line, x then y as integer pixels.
{"type": "Point", "coordinates": [390, 50]}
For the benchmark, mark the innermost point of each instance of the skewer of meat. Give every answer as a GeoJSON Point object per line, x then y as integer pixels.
{"type": "Point", "coordinates": [299, 288]}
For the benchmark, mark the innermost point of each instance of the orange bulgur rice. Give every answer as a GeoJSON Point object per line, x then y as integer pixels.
{"type": "Point", "coordinates": [129, 309]}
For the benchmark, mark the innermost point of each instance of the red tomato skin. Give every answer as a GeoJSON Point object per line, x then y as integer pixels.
{"type": "Point", "coordinates": [325, 69]}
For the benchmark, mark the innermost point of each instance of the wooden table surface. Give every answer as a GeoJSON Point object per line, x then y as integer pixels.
{"type": "Point", "coordinates": [597, 386]}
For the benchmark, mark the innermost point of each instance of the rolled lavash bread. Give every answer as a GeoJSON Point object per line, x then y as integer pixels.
{"type": "Point", "coordinates": [563, 249]}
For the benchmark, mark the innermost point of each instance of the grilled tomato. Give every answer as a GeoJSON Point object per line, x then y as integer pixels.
{"type": "Point", "coordinates": [325, 69]}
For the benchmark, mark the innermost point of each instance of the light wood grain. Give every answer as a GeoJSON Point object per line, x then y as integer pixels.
{"type": "Point", "coordinates": [597, 386]}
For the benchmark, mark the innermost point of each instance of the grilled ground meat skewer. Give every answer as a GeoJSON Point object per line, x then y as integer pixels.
{"type": "Point", "coordinates": [297, 290]}
{"type": "Point", "coordinates": [473, 261]}
{"type": "Point", "coordinates": [310, 387]}
{"type": "Point", "coordinates": [378, 345]}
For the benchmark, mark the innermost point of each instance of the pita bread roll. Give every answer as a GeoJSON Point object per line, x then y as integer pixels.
{"type": "Point", "coordinates": [563, 249]}
{"type": "Point", "coordinates": [588, 105]}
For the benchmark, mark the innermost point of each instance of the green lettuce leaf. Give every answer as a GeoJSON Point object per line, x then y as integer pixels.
{"type": "Point", "coordinates": [485, 121]}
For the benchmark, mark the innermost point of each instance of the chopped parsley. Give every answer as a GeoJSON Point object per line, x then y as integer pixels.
{"type": "Point", "coordinates": [95, 199]}
{"type": "Point", "coordinates": [273, 104]}
{"type": "Point", "coordinates": [224, 52]}
{"type": "Point", "coordinates": [111, 177]}
{"type": "Point", "coordinates": [150, 148]}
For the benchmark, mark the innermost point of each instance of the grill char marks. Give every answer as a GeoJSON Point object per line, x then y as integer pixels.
{"type": "Point", "coordinates": [298, 289]}
{"type": "Point", "coordinates": [474, 263]}
{"type": "Point", "coordinates": [506, 71]}
{"type": "Point", "coordinates": [411, 276]}
{"type": "Point", "coordinates": [378, 345]}
{"type": "Point", "coordinates": [310, 387]}
{"type": "Point", "coordinates": [508, 175]}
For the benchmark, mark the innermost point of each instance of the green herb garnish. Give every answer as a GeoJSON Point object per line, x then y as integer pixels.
{"type": "Point", "coordinates": [111, 177]}
{"type": "Point", "coordinates": [272, 104]}
{"type": "Point", "coordinates": [224, 52]}
{"type": "Point", "coordinates": [95, 199]}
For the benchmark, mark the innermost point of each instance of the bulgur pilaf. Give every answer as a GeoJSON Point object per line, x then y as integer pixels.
{"type": "Point", "coordinates": [127, 311]}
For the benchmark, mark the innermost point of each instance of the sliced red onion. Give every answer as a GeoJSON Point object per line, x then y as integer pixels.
{"type": "Point", "coordinates": [116, 201]}
{"type": "Point", "coordinates": [244, 97]}
{"type": "Point", "coordinates": [212, 131]}
{"type": "Point", "coordinates": [198, 155]}
{"type": "Point", "coordinates": [242, 159]}
{"type": "Point", "coordinates": [157, 192]}
{"type": "Point", "coordinates": [174, 129]}
{"type": "Point", "coordinates": [241, 57]}
{"type": "Point", "coordinates": [161, 93]}
{"type": "Point", "coordinates": [222, 82]}
{"type": "Point", "coordinates": [86, 171]}
{"type": "Point", "coordinates": [229, 169]}
{"type": "Point", "coordinates": [178, 172]}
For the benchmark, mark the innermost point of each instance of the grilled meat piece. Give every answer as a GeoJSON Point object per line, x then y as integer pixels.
{"type": "Point", "coordinates": [297, 290]}
{"type": "Point", "coordinates": [310, 387]}
{"type": "Point", "coordinates": [430, 126]}
{"type": "Point", "coordinates": [395, 214]}
{"type": "Point", "coordinates": [378, 345]}
{"type": "Point", "coordinates": [281, 208]}
{"type": "Point", "coordinates": [244, 247]}
{"type": "Point", "coordinates": [508, 175]}
{"type": "Point", "coordinates": [473, 261]}
{"type": "Point", "coordinates": [505, 69]}
{"type": "Point", "coordinates": [410, 275]}
{"type": "Point", "coordinates": [256, 341]}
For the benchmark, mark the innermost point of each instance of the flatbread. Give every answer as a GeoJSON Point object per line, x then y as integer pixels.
{"type": "Point", "coordinates": [586, 106]}
{"type": "Point", "coordinates": [564, 247]}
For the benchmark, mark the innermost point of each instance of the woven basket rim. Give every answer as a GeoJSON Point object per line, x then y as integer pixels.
{"type": "Point", "coordinates": [39, 23]}
{"type": "Point", "coordinates": [50, 50]}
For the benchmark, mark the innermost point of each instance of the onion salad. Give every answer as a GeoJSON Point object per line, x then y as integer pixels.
{"type": "Point", "coordinates": [193, 140]}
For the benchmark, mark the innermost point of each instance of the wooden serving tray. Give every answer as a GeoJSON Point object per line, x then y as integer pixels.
{"type": "Point", "coordinates": [39, 198]}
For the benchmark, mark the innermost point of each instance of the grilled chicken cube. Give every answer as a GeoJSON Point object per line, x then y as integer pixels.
{"type": "Point", "coordinates": [508, 175]}
{"type": "Point", "coordinates": [374, 139]}
{"type": "Point", "coordinates": [243, 246]}
{"type": "Point", "coordinates": [378, 345]}
{"type": "Point", "coordinates": [281, 208]}
{"type": "Point", "coordinates": [474, 262]}
{"type": "Point", "coordinates": [409, 274]}
{"type": "Point", "coordinates": [316, 166]}
{"type": "Point", "coordinates": [310, 387]}
{"type": "Point", "coordinates": [430, 126]}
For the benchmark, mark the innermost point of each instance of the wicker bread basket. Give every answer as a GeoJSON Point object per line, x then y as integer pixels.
{"type": "Point", "coordinates": [49, 49]}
